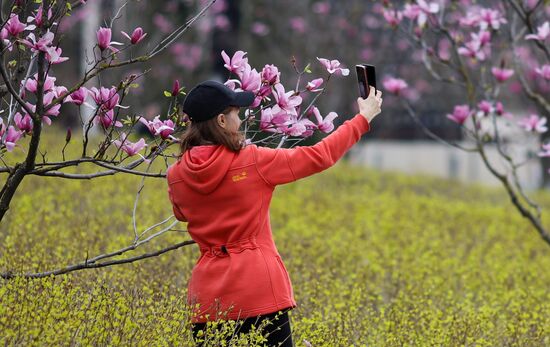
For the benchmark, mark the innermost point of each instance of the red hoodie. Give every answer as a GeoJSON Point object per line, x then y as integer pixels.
{"type": "Point", "coordinates": [224, 197]}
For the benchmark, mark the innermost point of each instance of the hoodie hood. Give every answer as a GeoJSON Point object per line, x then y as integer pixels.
{"type": "Point", "coordinates": [204, 167]}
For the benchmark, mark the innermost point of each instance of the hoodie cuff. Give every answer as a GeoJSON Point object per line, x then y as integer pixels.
{"type": "Point", "coordinates": [363, 122]}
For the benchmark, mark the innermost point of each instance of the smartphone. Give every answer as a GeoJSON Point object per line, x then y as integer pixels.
{"type": "Point", "coordinates": [366, 76]}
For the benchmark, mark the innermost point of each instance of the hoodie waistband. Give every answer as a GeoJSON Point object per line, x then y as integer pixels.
{"type": "Point", "coordinates": [223, 250]}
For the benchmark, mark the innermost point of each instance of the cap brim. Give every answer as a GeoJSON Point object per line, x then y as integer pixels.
{"type": "Point", "coordinates": [243, 99]}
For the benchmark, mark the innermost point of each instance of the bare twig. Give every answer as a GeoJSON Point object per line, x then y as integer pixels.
{"type": "Point", "coordinates": [178, 32]}
{"type": "Point", "coordinates": [84, 265]}
{"type": "Point", "coordinates": [428, 132]}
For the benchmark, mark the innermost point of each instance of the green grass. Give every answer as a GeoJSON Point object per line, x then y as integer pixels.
{"type": "Point", "coordinates": [376, 259]}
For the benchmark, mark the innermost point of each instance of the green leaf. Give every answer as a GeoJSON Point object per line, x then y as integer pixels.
{"type": "Point", "coordinates": [133, 85]}
{"type": "Point", "coordinates": [12, 63]}
{"type": "Point", "coordinates": [69, 6]}
{"type": "Point", "coordinates": [167, 94]}
{"type": "Point", "coordinates": [307, 69]}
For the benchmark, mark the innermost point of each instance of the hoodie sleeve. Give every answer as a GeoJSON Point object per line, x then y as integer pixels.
{"type": "Point", "coordinates": [177, 213]}
{"type": "Point", "coordinates": [175, 209]}
{"type": "Point", "coordinates": [284, 165]}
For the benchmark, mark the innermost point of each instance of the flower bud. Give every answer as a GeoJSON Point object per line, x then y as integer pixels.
{"type": "Point", "coordinates": [176, 88]}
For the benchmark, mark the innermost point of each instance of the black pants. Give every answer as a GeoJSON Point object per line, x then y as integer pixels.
{"type": "Point", "coordinates": [278, 331]}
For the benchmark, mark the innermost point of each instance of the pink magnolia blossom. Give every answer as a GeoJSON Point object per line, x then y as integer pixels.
{"type": "Point", "coordinates": [41, 44]}
{"type": "Point", "coordinates": [53, 111]}
{"type": "Point", "coordinates": [314, 86]}
{"type": "Point", "coordinates": [426, 9]}
{"type": "Point", "coordinates": [471, 19]}
{"type": "Point", "coordinates": [326, 125]}
{"type": "Point", "coordinates": [130, 148]}
{"type": "Point", "coordinates": [232, 84]}
{"type": "Point", "coordinates": [159, 127]}
{"type": "Point", "coordinates": [137, 35]}
{"type": "Point", "coordinates": [259, 29]}
{"type": "Point", "coordinates": [499, 108]}
{"type": "Point", "coordinates": [236, 63]}
{"type": "Point", "coordinates": [78, 96]}
{"type": "Point", "coordinates": [37, 18]}
{"type": "Point", "coordinates": [61, 91]}
{"type": "Point", "coordinates": [270, 74]}
{"type": "Point", "coordinates": [13, 26]}
{"type": "Point", "coordinates": [333, 67]}
{"type": "Point", "coordinates": [53, 55]}
{"type": "Point", "coordinates": [286, 100]}
{"type": "Point", "coordinates": [257, 101]}
{"type": "Point", "coordinates": [104, 40]}
{"type": "Point", "coordinates": [393, 17]}
{"type": "Point", "coordinates": [485, 107]}
{"type": "Point", "coordinates": [411, 11]}
{"type": "Point", "coordinates": [460, 114]}
{"type": "Point", "coordinates": [544, 72]}
{"type": "Point", "coordinates": [546, 150]}
{"type": "Point", "coordinates": [533, 123]}
{"type": "Point", "coordinates": [12, 137]}
{"type": "Point", "coordinates": [250, 79]}
{"type": "Point", "coordinates": [274, 119]}
{"type": "Point", "coordinates": [321, 7]}
{"type": "Point", "coordinates": [490, 18]}
{"type": "Point", "coordinates": [502, 75]}
{"type": "Point", "coordinates": [264, 92]}
{"type": "Point", "coordinates": [303, 127]}
{"type": "Point", "coordinates": [543, 32]}
{"type": "Point", "coordinates": [23, 123]}
{"type": "Point", "coordinates": [107, 119]}
{"type": "Point", "coordinates": [32, 84]}
{"type": "Point", "coordinates": [4, 37]}
{"type": "Point", "coordinates": [298, 24]}
{"type": "Point", "coordinates": [478, 47]}
{"type": "Point", "coordinates": [394, 85]}
{"type": "Point", "coordinates": [105, 97]}
{"type": "Point", "coordinates": [420, 11]}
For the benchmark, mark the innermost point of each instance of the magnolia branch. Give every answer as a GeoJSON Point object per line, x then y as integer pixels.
{"type": "Point", "coordinates": [87, 265]}
{"type": "Point", "coordinates": [50, 169]}
{"type": "Point", "coordinates": [428, 132]}
{"type": "Point", "coordinates": [94, 262]}
{"type": "Point", "coordinates": [178, 32]}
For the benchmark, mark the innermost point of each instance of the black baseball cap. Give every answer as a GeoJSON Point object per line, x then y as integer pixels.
{"type": "Point", "coordinates": [208, 99]}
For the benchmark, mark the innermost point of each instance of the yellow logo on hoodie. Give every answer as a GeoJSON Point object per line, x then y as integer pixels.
{"type": "Point", "coordinates": [239, 177]}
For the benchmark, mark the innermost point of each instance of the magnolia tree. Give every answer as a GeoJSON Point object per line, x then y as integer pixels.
{"type": "Point", "coordinates": [482, 47]}
{"type": "Point", "coordinates": [279, 115]}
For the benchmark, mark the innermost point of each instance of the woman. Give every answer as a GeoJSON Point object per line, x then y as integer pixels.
{"type": "Point", "coordinates": [223, 190]}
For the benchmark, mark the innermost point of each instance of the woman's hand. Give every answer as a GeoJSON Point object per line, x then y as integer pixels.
{"type": "Point", "coordinates": [372, 105]}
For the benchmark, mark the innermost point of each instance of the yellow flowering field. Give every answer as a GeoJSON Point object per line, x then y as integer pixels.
{"type": "Point", "coordinates": [376, 259]}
